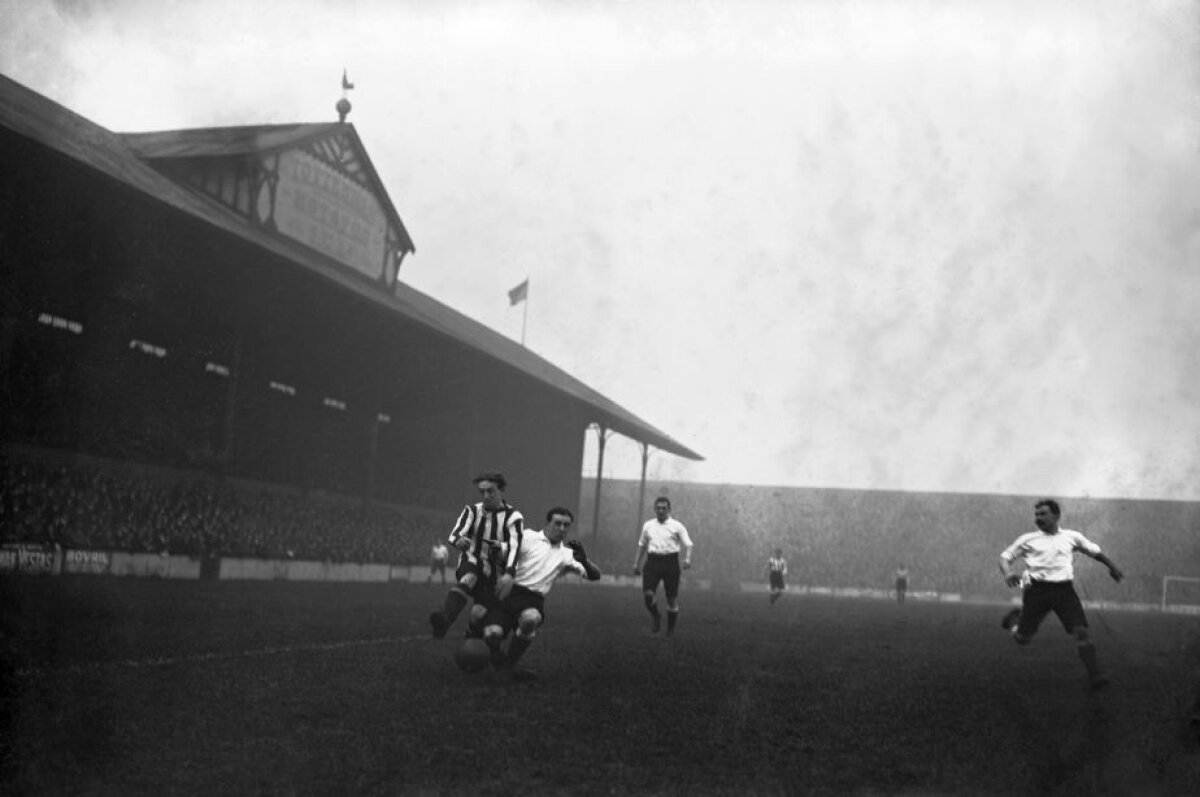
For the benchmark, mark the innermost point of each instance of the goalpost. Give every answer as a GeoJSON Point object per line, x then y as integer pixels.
{"type": "Point", "coordinates": [1185, 596]}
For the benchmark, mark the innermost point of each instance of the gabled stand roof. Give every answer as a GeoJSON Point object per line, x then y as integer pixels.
{"type": "Point", "coordinates": [224, 142]}
{"type": "Point", "coordinates": [39, 119]}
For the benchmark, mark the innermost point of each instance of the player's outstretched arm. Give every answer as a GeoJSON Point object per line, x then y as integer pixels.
{"type": "Point", "coordinates": [1113, 570]}
{"type": "Point", "coordinates": [593, 572]}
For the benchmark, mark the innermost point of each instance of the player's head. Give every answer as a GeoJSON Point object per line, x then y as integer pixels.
{"type": "Point", "coordinates": [778, 553]}
{"type": "Point", "coordinates": [1046, 513]}
{"type": "Point", "coordinates": [662, 508]}
{"type": "Point", "coordinates": [559, 521]}
{"type": "Point", "coordinates": [491, 485]}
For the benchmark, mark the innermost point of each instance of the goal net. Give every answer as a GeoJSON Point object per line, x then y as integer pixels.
{"type": "Point", "coordinates": [1181, 594]}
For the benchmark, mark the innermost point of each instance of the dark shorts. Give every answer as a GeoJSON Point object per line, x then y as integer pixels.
{"type": "Point", "coordinates": [777, 581]}
{"type": "Point", "coordinates": [485, 583]}
{"type": "Point", "coordinates": [437, 566]}
{"type": "Point", "coordinates": [664, 568]}
{"type": "Point", "coordinates": [901, 584]}
{"type": "Point", "coordinates": [507, 612]}
{"type": "Point", "coordinates": [1041, 598]}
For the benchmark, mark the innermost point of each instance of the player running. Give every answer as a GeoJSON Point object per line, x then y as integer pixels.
{"type": "Point", "coordinates": [488, 537]}
{"type": "Point", "coordinates": [1049, 570]}
{"type": "Point", "coordinates": [661, 541]}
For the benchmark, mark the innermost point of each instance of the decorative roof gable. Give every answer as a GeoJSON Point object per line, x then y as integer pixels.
{"type": "Point", "coordinates": [312, 183]}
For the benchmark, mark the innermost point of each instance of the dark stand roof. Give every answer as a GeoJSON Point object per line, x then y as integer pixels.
{"type": "Point", "coordinates": [36, 117]}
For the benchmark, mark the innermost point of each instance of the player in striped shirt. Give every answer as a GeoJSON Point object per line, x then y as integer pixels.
{"type": "Point", "coordinates": [488, 538]}
{"type": "Point", "coordinates": [776, 570]}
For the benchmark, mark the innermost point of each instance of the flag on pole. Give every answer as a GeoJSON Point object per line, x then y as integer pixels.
{"type": "Point", "coordinates": [518, 294]}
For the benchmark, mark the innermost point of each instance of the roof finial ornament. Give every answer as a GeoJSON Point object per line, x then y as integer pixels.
{"type": "Point", "coordinates": [343, 105]}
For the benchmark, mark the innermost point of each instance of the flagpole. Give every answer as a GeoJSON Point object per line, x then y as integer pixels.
{"type": "Point", "coordinates": [525, 312]}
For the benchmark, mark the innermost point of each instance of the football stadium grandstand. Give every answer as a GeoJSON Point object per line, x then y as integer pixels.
{"type": "Point", "coordinates": [208, 347]}
{"type": "Point", "coordinates": [208, 357]}
{"type": "Point", "coordinates": [207, 350]}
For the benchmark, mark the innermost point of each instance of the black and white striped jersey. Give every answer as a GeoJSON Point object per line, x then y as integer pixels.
{"type": "Point", "coordinates": [495, 536]}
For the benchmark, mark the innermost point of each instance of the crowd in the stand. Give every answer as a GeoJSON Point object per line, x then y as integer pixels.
{"type": "Point", "coordinates": [77, 506]}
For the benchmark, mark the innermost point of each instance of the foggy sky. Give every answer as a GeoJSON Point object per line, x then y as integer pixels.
{"type": "Point", "coordinates": [906, 245]}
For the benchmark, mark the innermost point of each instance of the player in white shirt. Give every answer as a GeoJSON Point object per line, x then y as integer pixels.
{"type": "Point", "coordinates": [438, 556]}
{"type": "Point", "coordinates": [660, 544]}
{"type": "Point", "coordinates": [542, 558]}
{"type": "Point", "coordinates": [1048, 581]}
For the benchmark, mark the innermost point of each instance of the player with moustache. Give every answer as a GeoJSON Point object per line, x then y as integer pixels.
{"type": "Point", "coordinates": [543, 558]}
{"type": "Point", "coordinates": [1048, 583]}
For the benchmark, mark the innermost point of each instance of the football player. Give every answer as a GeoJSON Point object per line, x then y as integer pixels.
{"type": "Point", "coordinates": [1048, 583]}
{"type": "Point", "coordinates": [487, 536]}
{"type": "Point", "coordinates": [520, 610]}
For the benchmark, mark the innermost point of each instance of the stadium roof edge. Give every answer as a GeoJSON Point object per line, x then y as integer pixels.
{"type": "Point", "coordinates": [40, 119]}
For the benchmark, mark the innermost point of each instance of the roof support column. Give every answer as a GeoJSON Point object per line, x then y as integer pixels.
{"type": "Point", "coordinates": [642, 487]}
{"type": "Point", "coordinates": [602, 438]}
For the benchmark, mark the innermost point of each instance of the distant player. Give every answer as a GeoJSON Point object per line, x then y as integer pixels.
{"type": "Point", "coordinates": [776, 571]}
{"type": "Point", "coordinates": [488, 536]}
{"type": "Point", "coordinates": [520, 609]}
{"type": "Point", "coordinates": [901, 582]}
{"type": "Point", "coordinates": [439, 554]}
{"type": "Point", "coordinates": [1049, 556]}
{"type": "Point", "coordinates": [662, 540]}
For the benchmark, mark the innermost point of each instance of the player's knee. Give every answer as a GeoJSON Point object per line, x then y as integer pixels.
{"type": "Point", "coordinates": [468, 582]}
{"type": "Point", "coordinates": [477, 614]}
{"type": "Point", "coordinates": [493, 632]}
{"type": "Point", "coordinates": [528, 622]}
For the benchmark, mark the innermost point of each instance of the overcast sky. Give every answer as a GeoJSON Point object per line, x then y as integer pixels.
{"type": "Point", "coordinates": [898, 245]}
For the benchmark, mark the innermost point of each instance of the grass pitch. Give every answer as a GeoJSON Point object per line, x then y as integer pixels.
{"type": "Point", "coordinates": [122, 686]}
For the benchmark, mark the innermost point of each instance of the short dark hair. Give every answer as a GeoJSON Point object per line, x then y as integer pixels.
{"type": "Point", "coordinates": [491, 476]}
{"type": "Point", "coordinates": [662, 499]}
{"type": "Point", "coordinates": [559, 510]}
{"type": "Point", "coordinates": [1050, 504]}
